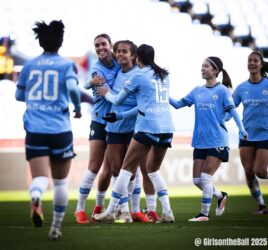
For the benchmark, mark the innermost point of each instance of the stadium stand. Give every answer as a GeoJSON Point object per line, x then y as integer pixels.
{"type": "Point", "coordinates": [244, 21]}
{"type": "Point", "coordinates": [182, 32]}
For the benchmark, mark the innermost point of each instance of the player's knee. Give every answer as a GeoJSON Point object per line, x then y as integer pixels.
{"type": "Point", "coordinates": [262, 174]}
{"type": "Point", "coordinates": [197, 181]}
{"type": "Point", "coordinates": [115, 172]}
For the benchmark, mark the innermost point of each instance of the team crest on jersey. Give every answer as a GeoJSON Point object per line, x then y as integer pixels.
{"type": "Point", "coordinates": [215, 97]}
{"type": "Point", "coordinates": [265, 92]}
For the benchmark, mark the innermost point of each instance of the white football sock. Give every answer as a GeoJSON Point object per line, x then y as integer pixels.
{"type": "Point", "coordinates": [255, 191]}
{"type": "Point", "coordinates": [207, 194]}
{"type": "Point", "coordinates": [37, 187]}
{"type": "Point", "coordinates": [161, 190]}
{"type": "Point", "coordinates": [60, 201]}
{"type": "Point", "coordinates": [84, 189]}
{"type": "Point", "coordinates": [119, 189]}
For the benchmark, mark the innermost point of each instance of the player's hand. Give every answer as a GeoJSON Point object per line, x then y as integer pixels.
{"type": "Point", "coordinates": [77, 114]}
{"type": "Point", "coordinates": [97, 80]}
{"type": "Point", "coordinates": [243, 135]}
{"type": "Point", "coordinates": [110, 117]}
{"type": "Point", "coordinates": [103, 90]}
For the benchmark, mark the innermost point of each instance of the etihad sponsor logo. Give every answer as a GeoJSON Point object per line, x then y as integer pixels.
{"type": "Point", "coordinates": [254, 102]}
{"type": "Point", "coordinates": [43, 107]}
{"type": "Point", "coordinates": [205, 105]}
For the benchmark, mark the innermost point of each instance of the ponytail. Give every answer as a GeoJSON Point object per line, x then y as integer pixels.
{"type": "Point", "coordinates": [145, 54]}
{"type": "Point", "coordinates": [226, 80]}
{"type": "Point", "coordinates": [217, 64]}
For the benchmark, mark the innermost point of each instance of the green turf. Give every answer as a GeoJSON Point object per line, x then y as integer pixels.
{"type": "Point", "coordinates": [179, 191]}
{"type": "Point", "coordinates": [16, 231]}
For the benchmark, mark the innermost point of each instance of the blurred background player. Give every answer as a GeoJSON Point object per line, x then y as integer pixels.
{"type": "Point", "coordinates": [104, 72]}
{"type": "Point", "coordinates": [210, 142]}
{"type": "Point", "coordinates": [6, 60]}
{"type": "Point", "coordinates": [46, 83]}
{"type": "Point", "coordinates": [151, 139]}
{"type": "Point", "coordinates": [253, 94]}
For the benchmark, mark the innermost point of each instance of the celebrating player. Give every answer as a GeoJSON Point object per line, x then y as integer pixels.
{"type": "Point", "coordinates": [104, 72]}
{"type": "Point", "coordinates": [45, 84]}
{"type": "Point", "coordinates": [210, 137]}
{"type": "Point", "coordinates": [253, 94]}
{"type": "Point", "coordinates": [153, 130]}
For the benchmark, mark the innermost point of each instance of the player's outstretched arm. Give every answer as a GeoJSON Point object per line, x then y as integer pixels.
{"type": "Point", "coordinates": [177, 104]}
{"type": "Point", "coordinates": [242, 132]}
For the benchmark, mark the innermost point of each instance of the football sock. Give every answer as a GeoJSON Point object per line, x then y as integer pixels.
{"type": "Point", "coordinates": [207, 194]}
{"type": "Point", "coordinates": [60, 201]}
{"type": "Point", "coordinates": [37, 187]}
{"type": "Point", "coordinates": [151, 203]}
{"type": "Point", "coordinates": [161, 190]}
{"type": "Point", "coordinates": [123, 204]}
{"type": "Point", "coordinates": [255, 191]}
{"type": "Point", "coordinates": [216, 192]}
{"type": "Point", "coordinates": [135, 194]}
{"type": "Point", "coordinates": [84, 189]}
{"type": "Point", "coordinates": [100, 198]}
{"type": "Point", "coordinates": [119, 189]}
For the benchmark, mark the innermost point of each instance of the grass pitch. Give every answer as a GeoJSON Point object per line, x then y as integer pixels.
{"type": "Point", "coordinates": [16, 231]}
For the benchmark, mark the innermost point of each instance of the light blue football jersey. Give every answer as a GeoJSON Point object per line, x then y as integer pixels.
{"type": "Point", "coordinates": [153, 102]}
{"type": "Point", "coordinates": [125, 125]}
{"type": "Point", "coordinates": [43, 80]}
{"type": "Point", "coordinates": [254, 97]}
{"type": "Point", "coordinates": [211, 105]}
{"type": "Point", "coordinates": [101, 106]}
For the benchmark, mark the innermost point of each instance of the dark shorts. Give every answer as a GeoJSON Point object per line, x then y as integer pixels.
{"type": "Point", "coordinates": [119, 138]}
{"type": "Point", "coordinates": [57, 146]}
{"type": "Point", "coordinates": [220, 152]}
{"type": "Point", "coordinates": [161, 140]}
{"type": "Point", "coordinates": [97, 131]}
{"type": "Point", "coordinates": [255, 144]}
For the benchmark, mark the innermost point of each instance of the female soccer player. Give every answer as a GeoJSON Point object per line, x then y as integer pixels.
{"type": "Point", "coordinates": [253, 94]}
{"type": "Point", "coordinates": [104, 72]}
{"type": "Point", "coordinates": [119, 133]}
{"type": "Point", "coordinates": [210, 137]}
{"type": "Point", "coordinates": [45, 84]}
{"type": "Point", "coordinates": [153, 130]}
